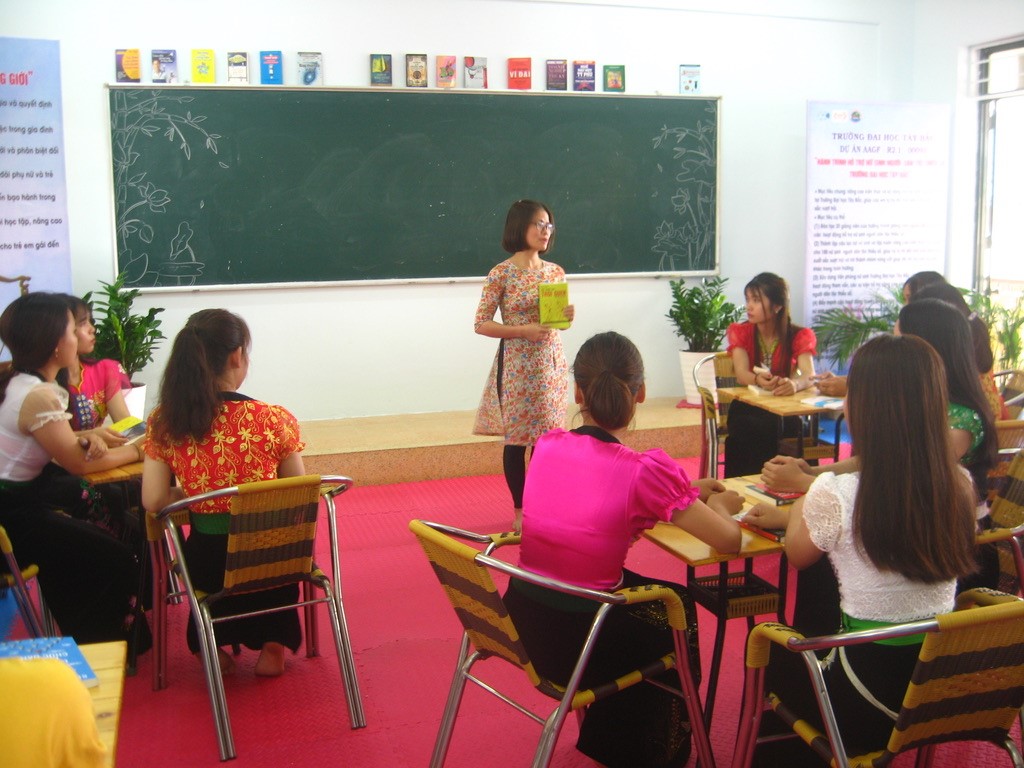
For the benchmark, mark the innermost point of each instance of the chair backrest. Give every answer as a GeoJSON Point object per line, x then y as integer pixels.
{"type": "Point", "coordinates": [967, 684]}
{"type": "Point", "coordinates": [474, 596]}
{"type": "Point", "coordinates": [1011, 388]}
{"type": "Point", "coordinates": [272, 533]}
{"type": "Point", "coordinates": [709, 434]}
{"type": "Point", "coordinates": [1010, 435]}
{"type": "Point", "coordinates": [725, 376]}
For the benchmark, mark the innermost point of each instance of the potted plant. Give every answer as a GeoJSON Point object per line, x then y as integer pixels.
{"type": "Point", "coordinates": [701, 315]}
{"type": "Point", "coordinates": [124, 335]}
{"type": "Point", "coordinates": [840, 330]}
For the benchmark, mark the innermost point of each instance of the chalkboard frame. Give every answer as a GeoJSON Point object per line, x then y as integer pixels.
{"type": "Point", "coordinates": [134, 187]}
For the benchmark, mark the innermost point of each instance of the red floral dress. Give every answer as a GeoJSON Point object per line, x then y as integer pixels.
{"type": "Point", "coordinates": [526, 391]}
{"type": "Point", "coordinates": [246, 443]}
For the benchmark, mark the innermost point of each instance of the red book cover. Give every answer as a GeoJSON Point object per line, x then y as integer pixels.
{"type": "Point", "coordinates": [779, 497]}
{"type": "Point", "coordinates": [520, 74]}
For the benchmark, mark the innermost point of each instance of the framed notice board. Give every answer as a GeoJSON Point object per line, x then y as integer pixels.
{"type": "Point", "coordinates": [242, 186]}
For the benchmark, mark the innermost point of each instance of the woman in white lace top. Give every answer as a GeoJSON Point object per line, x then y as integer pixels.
{"type": "Point", "coordinates": [898, 533]}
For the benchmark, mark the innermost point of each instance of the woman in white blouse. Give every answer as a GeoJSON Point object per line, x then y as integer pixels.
{"type": "Point", "coordinates": [898, 533]}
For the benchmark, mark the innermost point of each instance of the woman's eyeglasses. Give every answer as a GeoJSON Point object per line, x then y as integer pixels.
{"type": "Point", "coordinates": [544, 226]}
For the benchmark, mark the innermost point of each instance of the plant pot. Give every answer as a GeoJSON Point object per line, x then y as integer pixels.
{"type": "Point", "coordinates": [707, 375]}
{"type": "Point", "coordinates": [135, 399]}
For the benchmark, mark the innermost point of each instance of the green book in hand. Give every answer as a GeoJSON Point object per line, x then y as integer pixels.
{"type": "Point", "coordinates": [554, 298]}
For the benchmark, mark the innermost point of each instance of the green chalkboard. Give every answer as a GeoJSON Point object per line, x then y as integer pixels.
{"type": "Point", "coordinates": [240, 186]}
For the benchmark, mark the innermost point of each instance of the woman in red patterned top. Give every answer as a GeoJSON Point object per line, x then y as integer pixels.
{"type": "Point", "coordinates": [208, 436]}
{"type": "Point", "coordinates": [770, 352]}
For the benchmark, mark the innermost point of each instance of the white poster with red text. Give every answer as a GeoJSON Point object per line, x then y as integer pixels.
{"type": "Point", "coordinates": [877, 190]}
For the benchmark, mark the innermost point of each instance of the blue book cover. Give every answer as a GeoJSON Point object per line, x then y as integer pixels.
{"type": "Point", "coordinates": [63, 648]}
{"type": "Point", "coordinates": [271, 69]}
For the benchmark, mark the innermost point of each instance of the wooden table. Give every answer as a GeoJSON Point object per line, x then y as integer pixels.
{"type": "Point", "coordinates": [122, 474]}
{"type": "Point", "coordinates": [727, 594]}
{"type": "Point", "coordinates": [787, 405]}
{"type": "Point", "coordinates": [107, 661]}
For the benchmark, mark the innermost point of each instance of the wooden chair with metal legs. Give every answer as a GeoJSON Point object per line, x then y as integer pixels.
{"type": "Point", "coordinates": [967, 685]}
{"type": "Point", "coordinates": [1007, 517]}
{"type": "Point", "coordinates": [271, 540]}
{"type": "Point", "coordinates": [464, 571]}
{"type": "Point", "coordinates": [1011, 389]}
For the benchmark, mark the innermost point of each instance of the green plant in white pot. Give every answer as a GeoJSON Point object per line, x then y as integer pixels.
{"type": "Point", "coordinates": [701, 315]}
{"type": "Point", "coordinates": [124, 335]}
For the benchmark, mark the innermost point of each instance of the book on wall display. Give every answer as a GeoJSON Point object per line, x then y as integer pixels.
{"type": "Point", "coordinates": [520, 73]}
{"type": "Point", "coordinates": [271, 68]}
{"type": "Point", "coordinates": [165, 65]}
{"type": "Point", "coordinates": [126, 66]}
{"type": "Point", "coordinates": [238, 68]}
{"type": "Point", "coordinates": [311, 67]}
{"type": "Point", "coordinates": [62, 648]}
{"type": "Point", "coordinates": [445, 67]}
{"type": "Point", "coordinates": [416, 70]}
{"type": "Point", "coordinates": [557, 70]}
{"type": "Point", "coordinates": [475, 72]}
{"type": "Point", "coordinates": [203, 70]}
{"type": "Point", "coordinates": [615, 77]}
{"type": "Point", "coordinates": [380, 69]}
{"type": "Point", "coordinates": [689, 79]}
{"type": "Point", "coordinates": [553, 298]}
{"type": "Point", "coordinates": [583, 75]}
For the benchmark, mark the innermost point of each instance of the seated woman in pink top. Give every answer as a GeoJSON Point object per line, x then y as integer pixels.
{"type": "Point", "coordinates": [587, 499]}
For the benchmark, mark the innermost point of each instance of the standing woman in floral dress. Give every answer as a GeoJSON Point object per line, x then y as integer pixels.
{"type": "Point", "coordinates": [526, 391]}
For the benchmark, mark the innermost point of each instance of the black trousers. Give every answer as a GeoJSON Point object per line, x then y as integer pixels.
{"type": "Point", "coordinates": [754, 436]}
{"type": "Point", "coordinates": [87, 576]}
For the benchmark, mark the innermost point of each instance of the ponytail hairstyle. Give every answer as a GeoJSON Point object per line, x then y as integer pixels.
{"type": "Point", "coordinates": [914, 512]}
{"type": "Point", "coordinates": [771, 290]}
{"type": "Point", "coordinates": [189, 391]}
{"type": "Point", "coordinates": [518, 221]}
{"type": "Point", "coordinates": [946, 330]}
{"type": "Point", "coordinates": [980, 335]}
{"type": "Point", "coordinates": [609, 372]}
{"type": "Point", "coordinates": [31, 327]}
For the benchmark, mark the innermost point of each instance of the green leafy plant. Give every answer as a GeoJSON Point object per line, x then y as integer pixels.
{"type": "Point", "coordinates": [701, 313]}
{"type": "Point", "coordinates": [122, 334]}
{"type": "Point", "coordinates": [841, 330]}
{"type": "Point", "coordinates": [1004, 323]}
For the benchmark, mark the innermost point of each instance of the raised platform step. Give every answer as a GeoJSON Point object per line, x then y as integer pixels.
{"type": "Point", "coordinates": [377, 450]}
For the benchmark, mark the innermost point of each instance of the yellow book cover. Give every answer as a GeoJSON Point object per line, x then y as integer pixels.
{"type": "Point", "coordinates": [554, 297]}
{"type": "Point", "coordinates": [131, 427]}
{"type": "Point", "coordinates": [203, 66]}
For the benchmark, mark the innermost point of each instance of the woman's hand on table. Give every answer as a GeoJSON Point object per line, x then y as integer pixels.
{"type": "Point", "coordinates": [767, 516]}
{"type": "Point", "coordinates": [725, 502]}
{"type": "Point", "coordinates": [784, 386]}
{"type": "Point", "coordinates": [708, 486]}
{"type": "Point", "coordinates": [93, 444]}
{"type": "Point", "coordinates": [831, 385]}
{"type": "Point", "coordinates": [787, 473]}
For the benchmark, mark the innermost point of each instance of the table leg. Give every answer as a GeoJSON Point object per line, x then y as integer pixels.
{"type": "Point", "coordinates": [721, 617]}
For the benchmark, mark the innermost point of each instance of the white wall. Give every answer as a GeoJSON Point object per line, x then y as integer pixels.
{"type": "Point", "coordinates": [311, 351]}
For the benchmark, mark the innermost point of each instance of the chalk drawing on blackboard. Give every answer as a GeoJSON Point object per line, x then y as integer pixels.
{"type": "Point", "coordinates": [686, 242]}
{"type": "Point", "coordinates": [138, 116]}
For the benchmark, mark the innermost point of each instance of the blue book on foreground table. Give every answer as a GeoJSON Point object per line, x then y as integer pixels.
{"type": "Point", "coordinates": [63, 648]}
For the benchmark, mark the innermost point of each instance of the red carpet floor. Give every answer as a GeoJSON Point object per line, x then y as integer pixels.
{"type": "Point", "coordinates": [405, 637]}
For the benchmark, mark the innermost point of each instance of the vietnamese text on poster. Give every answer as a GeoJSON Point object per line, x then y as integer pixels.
{"type": "Point", "coordinates": [877, 178]}
{"type": "Point", "coordinates": [34, 249]}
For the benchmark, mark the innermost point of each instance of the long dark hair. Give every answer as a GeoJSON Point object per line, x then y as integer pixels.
{"type": "Point", "coordinates": [980, 334]}
{"type": "Point", "coordinates": [31, 327]}
{"type": "Point", "coordinates": [941, 325]}
{"type": "Point", "coordinates": [913, 514]}
{"type": "Point", "coordinates": [609, 371]}
{"type": "Point", "coordinates": [772, 289]}
{"type": "Point", "coordinates": [189, 395]}
{"type": "Point", "coordinates": [920, 280]}
{"type": "Point", "coordinates": [518, 219]}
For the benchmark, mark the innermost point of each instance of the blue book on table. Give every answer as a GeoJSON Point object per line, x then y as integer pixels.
{"type": "Point", "coordinates": [63, 648]}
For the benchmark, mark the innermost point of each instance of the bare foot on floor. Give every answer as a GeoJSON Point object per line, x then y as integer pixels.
{"type": "Point", "coordinates": [227, 664]}
{"type": "Point", "coordinates": [271, 660]}
{"type": "Point", "coordinates": [517, 521]}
